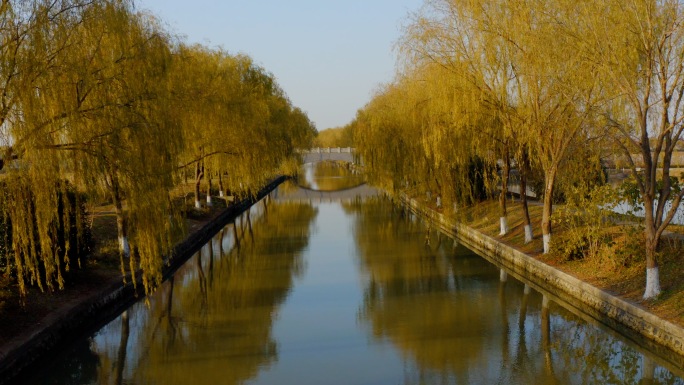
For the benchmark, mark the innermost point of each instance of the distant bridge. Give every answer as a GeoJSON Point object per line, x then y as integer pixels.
{"type": "Point", "coordinates": [319, 154]}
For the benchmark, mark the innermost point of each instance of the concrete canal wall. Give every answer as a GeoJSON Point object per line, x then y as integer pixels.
{"type": "Point", "coordinates": [84, 316]}
{"type": "Point", "coordinates": [658, 335]}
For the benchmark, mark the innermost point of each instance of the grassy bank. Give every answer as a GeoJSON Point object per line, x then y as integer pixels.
{"type": "Point", "coordinates": [619, 267]}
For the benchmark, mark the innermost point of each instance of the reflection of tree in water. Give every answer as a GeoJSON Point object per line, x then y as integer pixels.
{"type": "Point", "coordinates": [330, 176]}
{"type": "Point", "coordinates": [210, 323]}
{"type": "Point", "coordinates": [455, 322]}
{"type": "Point", "coordinates": [584, 353]}
{"type": "Point", "coordinates": [219, 329]}
{"type": "Point", "coordinates": [414, 295]}
{"type": "Point", "coordinates": [286, 187]}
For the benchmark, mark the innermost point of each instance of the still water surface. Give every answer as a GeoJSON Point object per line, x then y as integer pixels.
{"type": "Point", "coordinates": [347, 292]}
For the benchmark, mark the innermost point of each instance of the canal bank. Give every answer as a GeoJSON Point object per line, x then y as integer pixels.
{"type": "Point", "coordinates": [87, 313]}
{"type": "Point", "coordinates": [658, 335]}
{"type": "Point", "coordinates": [345, 292]}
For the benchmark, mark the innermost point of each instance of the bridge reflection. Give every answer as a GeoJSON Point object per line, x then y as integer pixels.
{"type": "Point", "coordinates": [290, 191]}
{"type": "Point", "coordinates": [325, 177]}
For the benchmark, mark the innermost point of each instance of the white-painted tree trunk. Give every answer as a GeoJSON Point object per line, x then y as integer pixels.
{"type": "Point", "coordinates": [198, 204]}
{"type": "Point", "coordinates": [221, 193]}
{"type": "Point", "coordinates": [125, 246]}
{"type": "Point", "coordinates": [503, 275]}
{"type": "Point", "coordinates": [503, 222]}
{"type": "Point", "coordinates": [439, 202]}
{"type": "Point", "coordinates": [547, 243]}
{"type": "Point", "coordinates": [528, 234]}
{"type": "Point", "coordinates": [652, 283]}
{"type": "Point", "coordinates": [209, 202]}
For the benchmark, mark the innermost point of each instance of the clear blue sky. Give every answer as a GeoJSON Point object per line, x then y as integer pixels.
{"type": "Point", "coordinates": [328, 56]}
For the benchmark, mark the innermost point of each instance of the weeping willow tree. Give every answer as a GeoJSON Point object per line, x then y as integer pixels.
{"type": "Point", "coordinates": [93, 114]}
{"type": "Point", "coordinates": [116, 125]}
{"type": "Point", "coordinates": [560, 91]}
{"type": "Point", "coordinates": [237, 123]}
{"type": "Point", "coordinates": [388, 139]}
{"type": "Point", "coordinates": [515, 60]}
{"type": "Point", "coordinates": [34, 191]}
{"type": "Point", "coordinates": [455, 134]}
{"type": "Point", "coordinates": [643, 77]}
{"type": "Point", "coordinates": [203, 107]}
{"type": "Point", "coordinates": [536, 93]}
{"type": "Point", "coordinates": [422, 131]}
{"type": "Point", "coordinates": [287, 129]}
{"type": "Point", "coordinates": [264, 132]}
{"type": "Point", "coordinates": [98, 97]}
{"type": "Point", "coordinates": [480, 100]}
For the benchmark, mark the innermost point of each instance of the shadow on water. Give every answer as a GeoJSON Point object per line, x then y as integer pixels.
{"type": "Point", "coordinates": [211, 322]}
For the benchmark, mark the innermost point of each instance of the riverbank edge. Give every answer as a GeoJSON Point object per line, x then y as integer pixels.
{"type": "Point", "coordinates": [58, 328]}
{"type": "Point", "coordinates": [658, 335]}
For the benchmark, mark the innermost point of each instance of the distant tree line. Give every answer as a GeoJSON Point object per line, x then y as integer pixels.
{"type": "Point", "coordinates": [334, 137]}
{"type": "Point", "coordinates": [547, 88]}
{"type": "Point", "coordinates": [99, 102]}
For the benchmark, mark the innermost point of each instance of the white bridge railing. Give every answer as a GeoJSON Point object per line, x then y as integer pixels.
{"type": "Point", "coordinates": [328, 150]}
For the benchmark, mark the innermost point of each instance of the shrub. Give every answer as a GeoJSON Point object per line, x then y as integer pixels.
{"type": "Point", "coordinates": [584, 218]}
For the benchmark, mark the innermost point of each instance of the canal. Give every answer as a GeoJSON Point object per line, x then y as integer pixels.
{"type": "Point", "coordinates": [348, 290]}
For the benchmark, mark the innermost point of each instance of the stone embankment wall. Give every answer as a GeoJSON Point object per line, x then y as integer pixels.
{"type": "Point", "coordinates": [658, 335]}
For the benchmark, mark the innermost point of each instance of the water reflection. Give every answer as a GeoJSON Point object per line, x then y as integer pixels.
{"type": "Point", "coordinates": [451, 314]}
{"type": "Point", "coordinates": [212, 322]}
{"type": "Point", "coordinates": [346, 292]}
{"type": "Point", "coordinates": [329, 176]}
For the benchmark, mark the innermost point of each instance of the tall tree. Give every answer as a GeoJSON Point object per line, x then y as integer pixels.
{"type": "Point", "coordinates": [35, 38]}
{"type": "Point", "coordinates": [470, 40]}
{"type": "Point", "coordinates": [98, 116]}
{"type": "Point", "coordinates": [638, 49]}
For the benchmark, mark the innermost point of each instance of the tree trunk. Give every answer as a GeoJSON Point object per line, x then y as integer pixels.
{"type": "Point", "coordinates": [199, 173]}
{"type": "Point", "coordinates": [652, 271]}
{"type": "Point", "coordinates": [220, 185]}
{"type": "Point", "coordinates": [122, 229]}
{"type": "Point", "coordinates": [505, 172]}
{"type": "Point", "coordinates": [121, 224]}
{"type": "Point", "coordinates": [549, 181]}
{"type": "Point", "coordinates": [524, 167]}
{"type": "Point", "coordinates": [209, 202]}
